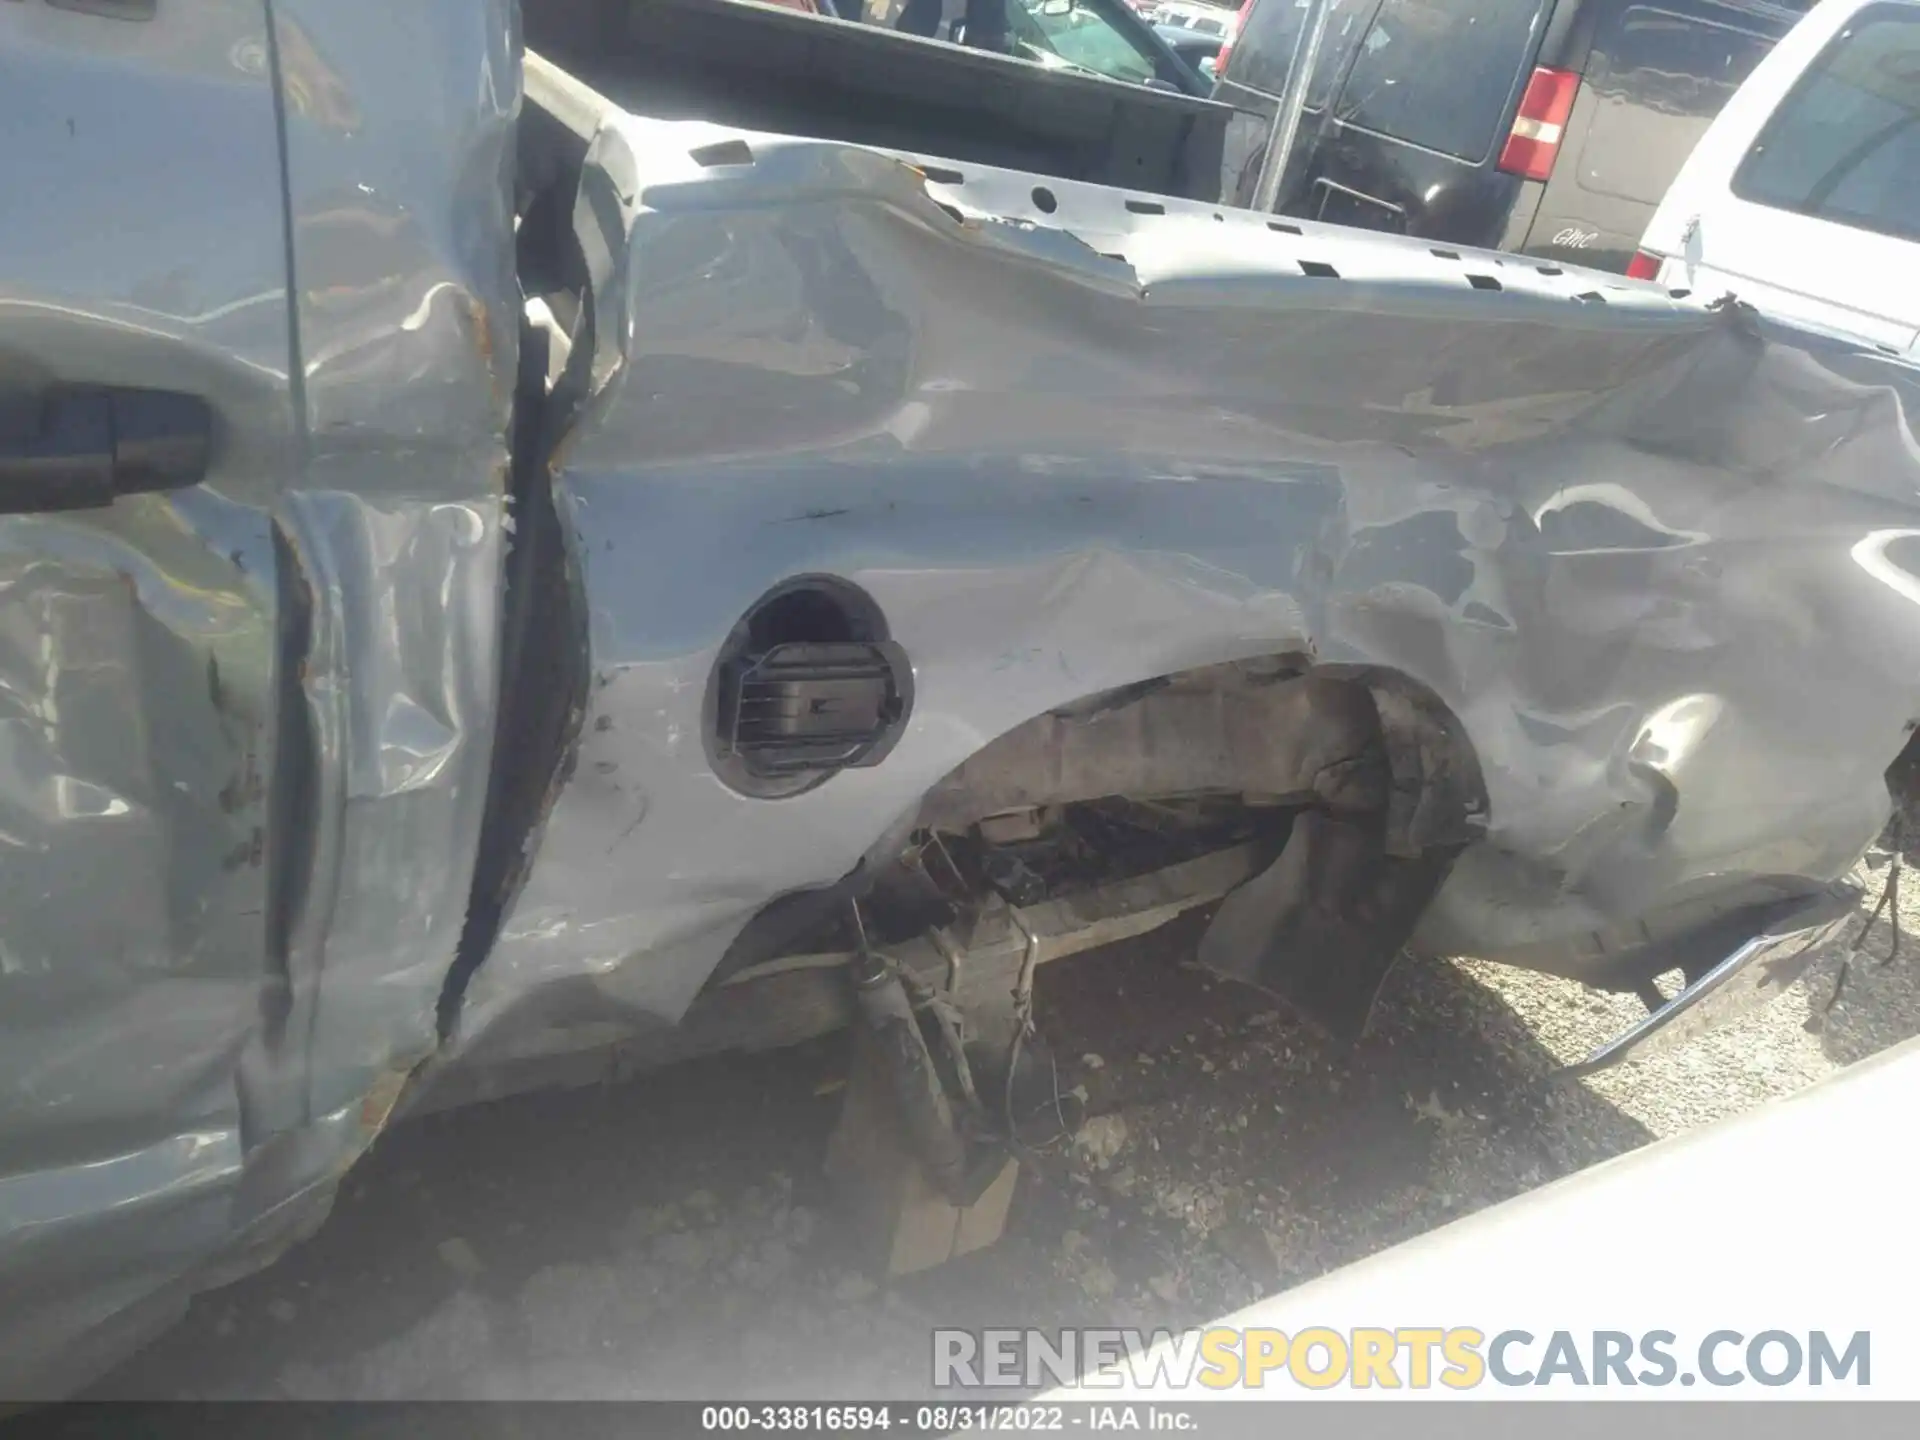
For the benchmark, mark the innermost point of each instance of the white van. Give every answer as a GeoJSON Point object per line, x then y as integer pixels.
{"type": "Point", "coordinates": [1803, 197]}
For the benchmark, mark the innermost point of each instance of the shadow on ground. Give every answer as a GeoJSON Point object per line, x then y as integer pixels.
{"type": "Point", "coordinates": [1879, 1001]}
{"type": "Point", "coordinates": [671, 1235]}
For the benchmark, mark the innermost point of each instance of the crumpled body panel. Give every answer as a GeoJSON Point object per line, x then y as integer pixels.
{"type": "Point", "coordinates": [244, 727]}
{"type": "Point", "coordinates": [400, 162]}
{"type": "Point", "coordinates": [1646, 549]}
{"type": "Point", "coordinates": [1657, 558]}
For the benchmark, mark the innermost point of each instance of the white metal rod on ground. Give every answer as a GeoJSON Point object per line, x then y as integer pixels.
{"type": "Point", "coordinates": [1293, 100]}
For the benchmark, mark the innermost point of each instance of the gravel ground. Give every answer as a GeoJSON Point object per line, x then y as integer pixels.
{"type": "Point", "coordinates": [672, 1235]}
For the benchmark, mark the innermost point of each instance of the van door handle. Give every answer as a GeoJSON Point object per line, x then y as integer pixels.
{"type": "Point", "coordinates": [90, 445]}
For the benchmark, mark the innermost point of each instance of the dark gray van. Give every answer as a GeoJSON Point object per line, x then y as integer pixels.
{"type": "Point", "coordinates": [1551, 127]}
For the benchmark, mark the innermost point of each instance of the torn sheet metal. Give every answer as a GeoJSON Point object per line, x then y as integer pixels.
{"type": "Point", "coordinates": [244, 727]}
{"type": "Point", "coordinates": [400, 164]}
{"type": "Point", "coordinates": [1653, 554]}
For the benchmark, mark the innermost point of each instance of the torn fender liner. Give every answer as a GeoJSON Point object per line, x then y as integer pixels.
{"type": "Point", "coordinates": [1322, 925]}
{"type": "Point", "coordinates": [1436, 794]}
{"type": "Point", "coordinates": [1301, 739]}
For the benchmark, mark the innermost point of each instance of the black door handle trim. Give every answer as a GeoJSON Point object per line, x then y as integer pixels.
{"type": "Point", "coordinates": [93, 444]}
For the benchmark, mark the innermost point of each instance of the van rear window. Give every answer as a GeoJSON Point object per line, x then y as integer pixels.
{"type": "Point", "coordinates": [1440, 73]}
{"type": "Point", "coordinates": [1263, 52]}
{"type": "Point", "coordinates": [1657, 79]}
{"type": "Point", "coordinates": [1845, 143]}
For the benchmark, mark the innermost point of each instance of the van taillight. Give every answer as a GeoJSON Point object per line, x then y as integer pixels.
{"type": "Point", "coordinates": [1643, 266]}
{"type": "Point", "coordinates": [1535, 142]}
{"type": "Point", "coordinates": [1226, 49]}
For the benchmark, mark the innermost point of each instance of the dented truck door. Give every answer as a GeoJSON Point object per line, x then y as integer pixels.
{"type": "Point", "coordinates": [141, 696]}
{"type": "Point", "coordinates": [248, 601]}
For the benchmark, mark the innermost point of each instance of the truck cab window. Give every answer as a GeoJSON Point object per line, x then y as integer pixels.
{"type": "Point", "coordinates": [1066, 34]}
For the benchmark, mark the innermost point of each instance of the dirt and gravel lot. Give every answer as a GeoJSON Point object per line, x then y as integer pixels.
{"type": "Point", "coordinates": [672, 1235]}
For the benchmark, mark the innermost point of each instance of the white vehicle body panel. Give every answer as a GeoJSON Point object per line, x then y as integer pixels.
{"type": "Point", "coordinates": [1712, 241]}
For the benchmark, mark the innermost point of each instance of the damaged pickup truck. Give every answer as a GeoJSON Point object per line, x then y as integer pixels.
{"type": "Point", "coordinates": [488, 579]}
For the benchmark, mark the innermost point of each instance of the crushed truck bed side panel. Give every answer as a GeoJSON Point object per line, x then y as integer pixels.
{"type": "Point", "coordinates": [1653, 553]}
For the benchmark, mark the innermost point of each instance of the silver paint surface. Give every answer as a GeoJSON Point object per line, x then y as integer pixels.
{"type": "Point", "coordinates": [1643, 549]}
{"type": "Point", "coordinates": [1075, 439]}
{"type": "Point", "coordinates": [176, 1101]}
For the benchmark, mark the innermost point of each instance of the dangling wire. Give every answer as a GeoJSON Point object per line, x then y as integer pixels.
{"type": "Point", "coordinates": [1023, 1030]}
{"type": "Point", "coordinates": [1888, 905]}
{"type": "Point", "coordinates": [1022, 1009]}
